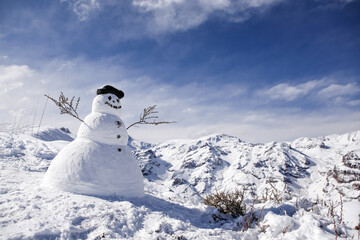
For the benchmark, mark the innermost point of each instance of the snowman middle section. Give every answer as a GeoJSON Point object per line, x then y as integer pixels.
{"type": "Point", "coordinates": [104, 128]}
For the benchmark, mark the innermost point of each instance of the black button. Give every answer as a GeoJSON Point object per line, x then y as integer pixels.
{"type": "Point", "coordinates": [118, 136]}
{"type": "Point", "coordinates": [118, 123]}
{"type": "Point", "coordinates": [119, 149]}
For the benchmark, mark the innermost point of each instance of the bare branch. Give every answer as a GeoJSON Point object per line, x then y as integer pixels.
{"type": "Point", "coordinates": [148, 117]}
{"type": "Point", "coordinates": [66, 107]}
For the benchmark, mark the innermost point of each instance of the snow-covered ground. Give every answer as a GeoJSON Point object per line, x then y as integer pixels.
{"type": "Point", "coordinates": [290, 188]}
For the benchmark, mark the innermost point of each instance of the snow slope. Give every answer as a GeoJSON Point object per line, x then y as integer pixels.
{"type": "Point", "coordinates": [290, 187]}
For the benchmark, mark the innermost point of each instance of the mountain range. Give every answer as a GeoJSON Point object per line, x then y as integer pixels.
{"type": "Point", "coordinates": [305, 189]}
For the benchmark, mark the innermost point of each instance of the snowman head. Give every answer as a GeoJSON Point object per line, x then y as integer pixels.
{"type": "Point", "coordinates": [108, 100]}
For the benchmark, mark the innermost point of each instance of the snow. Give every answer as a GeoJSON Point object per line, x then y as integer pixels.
{"type": "Point", "coordinates": [177, 175]}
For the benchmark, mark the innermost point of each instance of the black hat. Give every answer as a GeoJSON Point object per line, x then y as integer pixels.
{"type": "Point", "coordinates": [110, 89]}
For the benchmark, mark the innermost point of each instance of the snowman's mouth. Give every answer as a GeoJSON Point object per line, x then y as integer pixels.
{"type": "Point", "coordinates": [109, 104]}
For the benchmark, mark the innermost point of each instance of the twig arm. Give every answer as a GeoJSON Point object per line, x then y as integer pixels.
{"type": "Point", "coordinates": [65, 106]}
{"type": "Point", "coordinates": [148, 114]}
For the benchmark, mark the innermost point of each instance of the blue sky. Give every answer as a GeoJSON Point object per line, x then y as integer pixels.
{"type": "Point", "coordinates": [261, 70]}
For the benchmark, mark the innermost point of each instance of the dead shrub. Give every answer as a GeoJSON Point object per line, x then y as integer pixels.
{"type": "Point", "coordinates": [230, 203]}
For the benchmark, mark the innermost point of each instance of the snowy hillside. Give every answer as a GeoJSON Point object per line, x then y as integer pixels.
{"type": "Point", "coordinates": [290, 190]}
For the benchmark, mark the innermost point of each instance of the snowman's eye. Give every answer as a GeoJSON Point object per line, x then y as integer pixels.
{"type": "Point", "coordinates": [109, 98]}
{"type": "Point", "coordinates": [117, 100]}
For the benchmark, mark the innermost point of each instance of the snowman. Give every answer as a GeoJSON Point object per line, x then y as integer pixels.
{"type": "Point", "coordinates": [98, 162]}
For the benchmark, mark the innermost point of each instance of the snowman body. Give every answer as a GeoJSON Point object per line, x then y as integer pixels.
{"type": "Point", "coordinates": [98, 162]}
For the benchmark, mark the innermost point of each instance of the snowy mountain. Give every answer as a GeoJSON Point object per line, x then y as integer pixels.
{"type": "Point", "coordinates": [305, 189]}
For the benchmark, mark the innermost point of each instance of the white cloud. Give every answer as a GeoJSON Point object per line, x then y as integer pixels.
{"type": "Point", "coordinates": [174, 15]}
{"type": "Point", "coordinates": [14, 72]}
{"type": "Point", "coordinates": [198, 108]}
{"type": "Point", "coordinates": [188, 105]}
{"type": "Point", "coordinates": [152, 17]}
{"type": "Point", "coordinates": [161, 16]}
{"type": "Point", "coordinates": [354, 103]}
{"type": "Point", "coordinates": [12, 76]}
{"type": "Point", "coordinates": [83, 8]}
{"type": "Point", "coordinates": [338, 90]}
{"type": "Point", "coordinates": [287, 92]}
